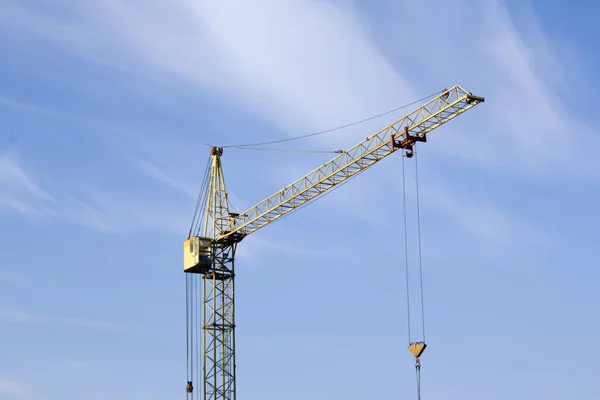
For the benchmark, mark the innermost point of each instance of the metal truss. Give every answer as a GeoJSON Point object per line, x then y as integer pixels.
{"type": "Point", "coordinates": [410, 128]}
{"type": "Point", "coordinates": [218, 321]}
{"type": "Point", "coordinates": [218, 324]}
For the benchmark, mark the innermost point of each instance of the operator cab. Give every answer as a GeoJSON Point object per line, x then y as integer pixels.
{"type": "Point", "coordinates": [197, 255]}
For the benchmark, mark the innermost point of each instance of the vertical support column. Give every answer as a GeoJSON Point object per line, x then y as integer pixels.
{"type": "Point", "coordinates": [218, 325]}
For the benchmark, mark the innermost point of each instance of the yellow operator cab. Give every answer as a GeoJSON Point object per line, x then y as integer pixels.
{"type": "Point", "coordinates": [197, 254]}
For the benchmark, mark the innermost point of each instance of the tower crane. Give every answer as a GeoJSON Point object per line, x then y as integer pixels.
{"type": "Point", "coordinates": [209, 251]}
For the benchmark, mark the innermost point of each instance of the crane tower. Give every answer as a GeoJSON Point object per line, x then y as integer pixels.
{"type": "Point", "coordinates": [209, 251]}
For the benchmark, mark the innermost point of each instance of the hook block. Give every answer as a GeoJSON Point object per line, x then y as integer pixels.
{"type": "Point", "coordinates": [417, 348]}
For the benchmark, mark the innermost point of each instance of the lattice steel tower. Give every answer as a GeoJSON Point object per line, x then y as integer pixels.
{"type": "Point", "coordinates": [213, 257]}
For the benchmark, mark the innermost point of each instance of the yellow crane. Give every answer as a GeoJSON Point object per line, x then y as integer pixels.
{"type": "Point", "coordinates": [210, 249]}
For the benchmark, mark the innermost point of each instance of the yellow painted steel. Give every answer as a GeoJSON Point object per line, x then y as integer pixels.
{"type": "Point", "coordinates": [215, 262]}
{"type": "Point", "coordinates": [417, 348]}
{"type": "Point", "coordinates": [197, 254]}
{"type": "Point", "coordinates": [419, 122]}
{"type": "Point", "coordinates": [217, 208]}
{"type": "Point", "coordinates": [211, 251]}
{"type": "Point", "coordinates": [189, 258]}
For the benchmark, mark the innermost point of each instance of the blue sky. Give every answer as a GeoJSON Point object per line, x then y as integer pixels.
{"type": "Point", "coordinates": [106, 109]}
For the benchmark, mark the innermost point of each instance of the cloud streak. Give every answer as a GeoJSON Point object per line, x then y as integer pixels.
{"type": "Point", "coordinates": [525, 127]}
{"type": "Point", "coordinates": [235, 54]}
{"type": "Point", "coordinates": [108, 213]}
{"type": "Point", "coordinates": [12, 390]}
{"type": "Point", "coordinates": [483, 220]}
{"type": "Point", "coordinates": [307, 79]}
{"type": "Point", "coordinates": [77, 364]}
{"type": "Point", "coordinates": [14, 177]}
{"type": "Point", "coordinates": [8, 276]}
{"type": "Point", "coordinates": [165, 159]}
{"type": "Point", "coordinates": [8, 315]}
{"type": "Point", "coordinates": [120, 214]}
{"type": "Point", "coordinates": [302, 80]}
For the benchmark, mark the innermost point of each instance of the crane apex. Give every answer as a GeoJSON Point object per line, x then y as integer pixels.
{"type": "Point", "coordinates": [216, 150]}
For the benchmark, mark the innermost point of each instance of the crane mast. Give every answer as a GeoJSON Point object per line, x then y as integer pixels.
{"type": "Point", "coordinates": [214, 261]}
{"type": "Point", "coordinates": [209, 251]}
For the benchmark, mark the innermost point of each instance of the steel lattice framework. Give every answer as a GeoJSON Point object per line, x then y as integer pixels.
{"type": "Point", "coordinates": [218, 319]}
{"type": "Point", "coordinates": [218, 325]}
{"type": "Point", "coordinates": [224, 230]}
{"type": "Point", "coordinates": [439, 110]}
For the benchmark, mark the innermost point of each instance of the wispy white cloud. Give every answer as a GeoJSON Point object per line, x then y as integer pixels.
{"type": "Point", "coordinates": [166, 159]}
{"type": "Point", "coordinates": [8, 315]}
{"type": "Point", "coordinates": [176, 163]}
{"type": "Point", "coordinates": [77, 364]}
{"type": "Point", "coordinates": [525, 127]}
{"type": "Point", "coordinates": [12, 390]}
{"type": "Point", "coordinates": [484, 221]}
{"type": "Point", "coordinates": [165, 175]}
{"type": "Point", "coordinates": [19, 191]}
{"type": "Point", "coordinates": [20, 105]}
{"type": "Point", "coordinates": [298, 79]}
{"type": "Point", "coordinates": [120, 214]}
{"type": "Point", "coordinates": [9, 276]}
{"type": "Point", "coordinates": [255, 249]}
{"type": "Point", "coordinates": [17, 205]}
{"type": "Point", "coordinates": [32, 108]}
{"type": "Point", "coordinates": [12, 176]}
{"type": "Point", "coordinates": [304, 79]}
{"type": "Point", "coordinates": [109, 213]}
{"type": "Point", "coordinates": [48, 111]}
{"type": "Point", "coordinates": [92, 324]}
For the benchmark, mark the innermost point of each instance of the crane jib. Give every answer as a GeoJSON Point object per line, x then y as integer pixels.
{"type": "Point", "coordinates": [402, 133]}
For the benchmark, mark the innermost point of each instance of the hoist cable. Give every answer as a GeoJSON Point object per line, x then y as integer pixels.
{"type": "Point", "coordinates": [418, 374]}
{"type": "Point", "coordinates": [192, 330]}
{"type": "Point", "coordinates": [201, 198]}
{"type": "Point", "coordinates": [419, 238]}
{"type": "Point", "coordinates": [406, 248]}
{"type": "Point", "coordinates": [199, 331]}
{"type": "Point", "coordinates": [192, 337]}
{"type": "Point", "coordinates": [205, 193]}
{"type": "Point", "coordinates": [336, 128]}
{"type": "Point", "coordinates": [187, 332]}
{"type": "Point", "coordinates": [199, 218]}
{"type": "Point", "coordinates": [418, 363]}
{"type": "Point", "coordinates": [287, 150]}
